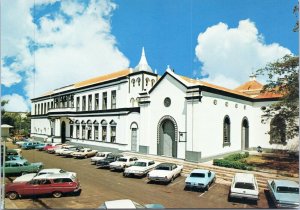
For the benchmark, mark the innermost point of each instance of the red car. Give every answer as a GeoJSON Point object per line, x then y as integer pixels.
{"type": "Point", "coordinates": [53, 145]}
{"type": "Point", "coordinates": [55, 184]}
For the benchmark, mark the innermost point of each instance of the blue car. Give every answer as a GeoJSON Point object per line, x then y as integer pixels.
{"type": "Point", "coordinates": [30, 145]}
{"type": "Point", "coordinates": [284, 193]}
{"type": "Point", "coordinates": [200, 179]}
{"type": "Point", "coordinates": [14, 157]}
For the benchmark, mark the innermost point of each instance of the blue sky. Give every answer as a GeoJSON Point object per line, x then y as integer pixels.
{"type": "Point", "coordinates": [55, 43]}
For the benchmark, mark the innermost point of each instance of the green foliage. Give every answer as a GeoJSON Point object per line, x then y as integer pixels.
{"type": "Point", "coordinates": [283, 79]}
{"type": "Point", "coordinates": [236, 156]}
{"type": "Point", "coordinates": [21, 124]}
{"type": "Point", "coordinates": [234, 161]}
{"type": "Point", "coordinates": [231, 164]}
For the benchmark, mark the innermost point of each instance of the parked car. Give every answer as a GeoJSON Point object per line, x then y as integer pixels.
{"type": "Point", "coordinates": [65, 148]}
{"type": "Point", "coordinates": [52, 145]}
{"type": "Point", "coordinates": [42, 146]}
{"type": "Point", "coordinates": [20, 143]}
{"type": "Point", "coordinates": [244, 186]}
{"type": "Point", "coordinates": [200, 179]}
{"type": "Point", "coordinates": [165, 172]}
{"type": "Point", "coordinates": [17, 152]}
{"type": "Point", "coordinates": [14, 157]}
{"type": "Point", "coordinates": [140, 168]}
{"type": "Point", "coordinates": [122, 163]}
{"type": "Point", "coordinates": [22, 166]}
{"type": "Point", "coordinates": [30, 176]}
{"type": "Point", "coordinates": [284, 193]}
{"type": "Point", "coordinates": [55, 184]}
{"type": "Point", "coordinates": [128, 204]}
{"type": "Point", "coordinates": [30, 145]}
{"type": "Point", "coordinates": [51, 150]}
{"type": "Point", "coordinates": [85, 153]}
{"type": "Point", "coordinates": [99, 156]}
{"type": "Point", "coordinates": [69, 152]}
{"type": "Point", "coordinates": [109, 159]}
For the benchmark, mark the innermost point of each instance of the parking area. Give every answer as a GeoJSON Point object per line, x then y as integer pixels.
{"type": "Point", "coordinates": [99, 185]}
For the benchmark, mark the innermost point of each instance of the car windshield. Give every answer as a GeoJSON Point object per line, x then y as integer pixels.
{"type": "Point", "coordinates": [100, 155]}
{"type": "Point", "coordinates": [288, 190]}
{"type": "Point", "coordinates": [143, 164]}
{"type": "Point", "coordinates": [244, 185]}
{"type": "Point", "coordinates": [122, 159]}
{"type": "Point", "coordinates": [72, 149]}
{"type": "Point", "coordinates": [164, 168]}
{"type": "Point", "coordinates": [200, 175]}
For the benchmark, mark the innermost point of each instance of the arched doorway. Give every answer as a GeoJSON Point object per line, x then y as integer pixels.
{"type": "Point", "coordinates": [134, 143]}
{"type": "Point", "coordinates": [245, 134]}
{"type": "Point", "coordinates": [167, 137]}
{"type": "Point", "coordinates": [63, 132]}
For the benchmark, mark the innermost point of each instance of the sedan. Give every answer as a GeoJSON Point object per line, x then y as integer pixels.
{"type": "Point", "coordinates": [165, 172]}
{"type": "Point", "coordinates": [200, 179]}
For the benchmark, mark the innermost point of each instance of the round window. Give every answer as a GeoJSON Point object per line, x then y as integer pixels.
{"type": "Point", "coordinates": [167, 102]}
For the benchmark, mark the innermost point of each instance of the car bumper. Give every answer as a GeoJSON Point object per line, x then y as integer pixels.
{"type": "Point", "coordinates": [158, 179]}
{"type": "Point", "coordinates": [116, 167]}
{"type": "Point", "coordinates": [243, 196]}
{"type": "Point", "coordinates": [78, 156]}
{"type": "Point", "coordinates": [195, 186]}
{"type": "Point", "coordinates": [139, 174]}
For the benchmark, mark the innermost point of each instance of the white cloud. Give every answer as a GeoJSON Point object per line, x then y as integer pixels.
{"type": "Point", "coordinates": [229, 55]}
{"type": "Point", "coordinates": [9, 78]}
{"type": "Point", "coordinates": [82, 47]}
{"type": "Point", "coordinates": [16, 103]}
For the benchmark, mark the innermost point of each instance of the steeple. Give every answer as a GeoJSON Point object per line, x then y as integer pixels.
{"type": "Point", "coordinates": [143, 64]}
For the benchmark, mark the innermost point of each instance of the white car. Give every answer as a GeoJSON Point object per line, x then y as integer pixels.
{"type": "Point", "coordinates": [140, 168]}
{"type": "Point", "coordinates": [58, 151]}
{"type": "Point", "coordinates": [30, 176]}
{"type": "Point", "coordinates": [84, 153]}
{"type": "Point", "coordinates": [122, 163]}
{"type": "Point", "coordinates": [99, 156]}
{"type": "Point", "coordinates": [244, 186]}
{"type": "Point", "coordinates": [128, 204]}
{"type": "Point", "coordinates": [69, 152]}
{"type": "Point", "coordinates": [165, 172]}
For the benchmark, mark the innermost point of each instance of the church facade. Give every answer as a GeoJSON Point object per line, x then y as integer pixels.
{"type": "Point", "coordinates": [171, 115]}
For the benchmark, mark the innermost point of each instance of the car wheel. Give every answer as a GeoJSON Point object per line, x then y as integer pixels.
{"type": "Point", "coordinates": [207, 187]}
{"type": "Point", "coordinates": [57, 194]}
{"type": "Point", "coordinates": [172, 179]}
{"type": "Point", "coordinates": [85, 156]}
{"type": "Point", "coordinates": [12, 195]}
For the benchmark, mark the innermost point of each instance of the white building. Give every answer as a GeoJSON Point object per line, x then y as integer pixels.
{"type": "Point", "coordinates": [172, 115]}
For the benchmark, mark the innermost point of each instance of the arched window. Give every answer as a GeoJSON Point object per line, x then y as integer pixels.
{"type": "Point", "coordinates": [226, 131]}
{"type": "Point", "coordinates": [147, 81]}
{"type": "Point", "coordinates": [133, 82]}
{"type": "Point", "coordinates": [96, 130]}
{"type": "Point", "coordinates": [137, 100]}
{"type": "Point", "coordinates": [89, 129]}
{"type": "Point", "coordinates": [132, 102]}
{"type": "Point", "coordinates": [113, 129]}
{"type": "Point", "coordinates": [104, 130]}
{"type": "Point", "coordinates": [278, 130]}
{"type": "Point", "coordinates": [83, 126]}
{"type": "Point", "coordinates": [138, 81]}
{"type": "Point", "coordinates": [152, 82]}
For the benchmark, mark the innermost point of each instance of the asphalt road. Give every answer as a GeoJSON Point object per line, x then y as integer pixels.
{"type": "Point", "coordinates": [99, 185]}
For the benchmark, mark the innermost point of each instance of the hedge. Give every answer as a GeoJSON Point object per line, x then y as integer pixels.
{"type": "Point", "coordinates": [237, 156]}
{"type": "Point", "coordinates": [231, 164]}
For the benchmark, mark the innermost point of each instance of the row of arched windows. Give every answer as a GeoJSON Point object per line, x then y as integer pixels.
{"type": "Point", "coordinates": [138, 82]}
{"type": "Point", "coordinates": [94, 130]}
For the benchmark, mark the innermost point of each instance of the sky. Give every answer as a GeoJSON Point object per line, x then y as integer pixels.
{"type": "Point", "coordinates": [51, 43]}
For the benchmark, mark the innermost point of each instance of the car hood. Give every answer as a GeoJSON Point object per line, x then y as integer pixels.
{"type": "Point", "coordinates": [154, 206]}
{"type": "Point", "coordinates": [24, 178]}
{"type": "Point", "coordinates": [159, 173]}
{"type": "Point", "coordinates": [196, 180]}
{"type": "Point", "coordinates": [136, 168]}
{"type": "Point", "coordinates": [117, 163]}
{"type": "Point", "coordinates": [287, 197]}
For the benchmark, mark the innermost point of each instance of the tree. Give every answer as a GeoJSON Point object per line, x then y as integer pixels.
{"type": "Point", "coordinates": [283, 79]}
{"type": "Point", "coordinates": [3, 103]}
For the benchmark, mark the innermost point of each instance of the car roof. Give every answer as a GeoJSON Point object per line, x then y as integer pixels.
{"type": "Point", "coordinates": [104, 152]}
{"type": "Point", "coordinates": [54, 176]}
{"type": "Point", "coordinates": [120, 204]}
{"type": "Point", "coordinates": [47, 170]}
{"type": "Point", "coordinates": [166, 164]}
{"type": "Point", "coordinates": [200, 171]}
{"type": "Point", "coordinates": [16, 161]}
{"type": "Point", "coordinates": [286, 183]}
{"type": "Point", "coordinates": [144, 160]}
{"type": "Point", "coordinates": [244, 177]}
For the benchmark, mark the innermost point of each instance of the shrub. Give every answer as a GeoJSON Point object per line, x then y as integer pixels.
{"type": "Point", "coordinates": [237, 156]}
{"type": "Point", "coordinates": [231, 164]}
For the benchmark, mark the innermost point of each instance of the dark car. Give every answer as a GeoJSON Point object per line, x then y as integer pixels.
{"type": "Point", "coordinates": [109, 159]}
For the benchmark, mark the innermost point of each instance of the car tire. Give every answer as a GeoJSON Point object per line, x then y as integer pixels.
{"type": "Point", "coordinates": [57, 194]}
{"type": "Point", "coordinates": [172, 179]}
{"type": "Point", "coordinates": [12, 195]}
{"type": "Point", "coordinates": [85, 156]}
{"type": "Point", "coordinates": [207, 187]}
